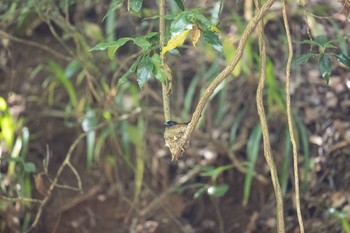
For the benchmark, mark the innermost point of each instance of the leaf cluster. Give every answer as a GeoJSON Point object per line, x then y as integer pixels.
{"type": "Point", "coordinates": [323, 57]}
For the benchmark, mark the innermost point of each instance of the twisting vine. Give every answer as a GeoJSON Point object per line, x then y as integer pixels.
{"type": "Point", "coordinates": [219, 78]}
{"type": "Point", "coordinates": [264, 126]}
{"type": "Point", "coordinates": [289, 116]}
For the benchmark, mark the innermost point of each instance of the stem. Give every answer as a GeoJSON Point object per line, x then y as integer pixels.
{"type": "Point", "coordinates": [290, 120]}
{"type": "Point", "coordinates": [166, 99]}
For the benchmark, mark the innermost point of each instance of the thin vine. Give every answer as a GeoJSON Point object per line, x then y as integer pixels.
{"type": "Point", "coordinates": [219, 78]}
{"type": "Point", "coordinates": [290, 120]}
{"type": "Point", "coordinates": [264, 127]}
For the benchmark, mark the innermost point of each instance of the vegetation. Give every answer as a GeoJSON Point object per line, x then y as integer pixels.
{"type": "Point", "coordinates": [82, 115]}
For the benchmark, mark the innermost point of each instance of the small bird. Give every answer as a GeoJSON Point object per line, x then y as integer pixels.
{"type": "Point", "coordinates": [173, 133]}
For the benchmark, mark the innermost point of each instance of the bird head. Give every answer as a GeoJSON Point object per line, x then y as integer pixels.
{"type": "Point", "coordinates": [168, 124]}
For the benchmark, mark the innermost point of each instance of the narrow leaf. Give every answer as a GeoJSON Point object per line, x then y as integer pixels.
{"type": "Point", "coordinates": [178, 40]}
{"type": "Point", "coordinates": [180, 4]}
{"type": "Point", "coordinates": [325, 67]}
{"type": "Point", "coordinates": [123, 79]}
{"type": "Point", "coordinates": [218, 190]}
{"type": "Point", "coordinates": [301, 59]}
{"type": "Point", "coordinates": [104, 46]}
{"type": "Point", "coordinates": [252, 154]}
{"type": "Point", "coordinates": [343, 59]}
{"type": "Point", "coordinates": [113, 7]}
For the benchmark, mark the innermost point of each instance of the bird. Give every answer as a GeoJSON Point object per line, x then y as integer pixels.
{"type": "Point", "coordinates": [173, 134]}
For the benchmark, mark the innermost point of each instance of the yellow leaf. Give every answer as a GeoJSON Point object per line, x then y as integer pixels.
{"type": "Point", "coordinates": [177, 41]}
{"type": "Point", "coordinates": [215, 29]}
{"type": "Point", "coordinates": [196, 33]}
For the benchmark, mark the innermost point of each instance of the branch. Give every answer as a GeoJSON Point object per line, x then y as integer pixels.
{"type": "Point", "coordinates": [221, 77]}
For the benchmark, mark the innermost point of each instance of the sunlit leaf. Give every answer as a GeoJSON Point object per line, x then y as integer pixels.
{"type": "Point", "coordinates": [218, 190]}
{"type": "Point", "coordinates": [136, 5]}
{"type": "Point", "coordinates": [144, 71]}
{"type": "Point", "coordinates": [88, 125]}
{"type": "Point", "coordinates": [343, 59]}
{"type": "Point", "coordinates": [215, 29]}
{"type": "Point", "coordinates": [325, 67]}
{"type": "Point", "coordinates": [179, 25]}
{"type": "Point", "coordinates": [178, 40]}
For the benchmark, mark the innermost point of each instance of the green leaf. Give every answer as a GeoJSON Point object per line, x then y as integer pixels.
{"type": "Point", "coordinates": [113, 49]}
{"type": "Point", "coordinates": [136, 5]}
{"type": "Point", "coordinates": [186, 19]}
{"type": "Point", "coordinates": [218, 190]}
{"type": "Point", "coordinates": [60, 75]}
{"type": "Point", "coordinates": [321, 40]}
{"type": "Point", "coordinates": [144, 71]}
{"type": "Point", "coordinates": [325, 67]}
{"type": "Point", "coordinates": [199, 192]}
{"type": "Point", "coordinates": [252, 155]}
{"type": "Point", "coordinates": [88, 125]}
{"type": "Point", "coordinates": [131, 70]}
{"type": "Point", "coordinates": [147, 40]}
{"type": "Point", "coordinates": [29, 167]}
{"type": "Point", "coordinates": [310, 42]}
{"type": "Point", "coordinates": [301, 59]}
{"type": "Point", "coordinates": [104, 46]}
{"type": "Point", "coordinates": [179, 25]}
{"type": "Point", "coordinates": [113, 7]}
{"type": "Point", "coordinates": [211, 38]}
{"type": "Point", "coordinates": [142, 42]}
{"type": "Point", "coordinates": [341, 57]}
{"type": "Point", "coordinates": [159, 71]}
{"type": "Point", "coordinates": [72, 68]}
{"type": "Point", "coordinates": [180, 4]}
